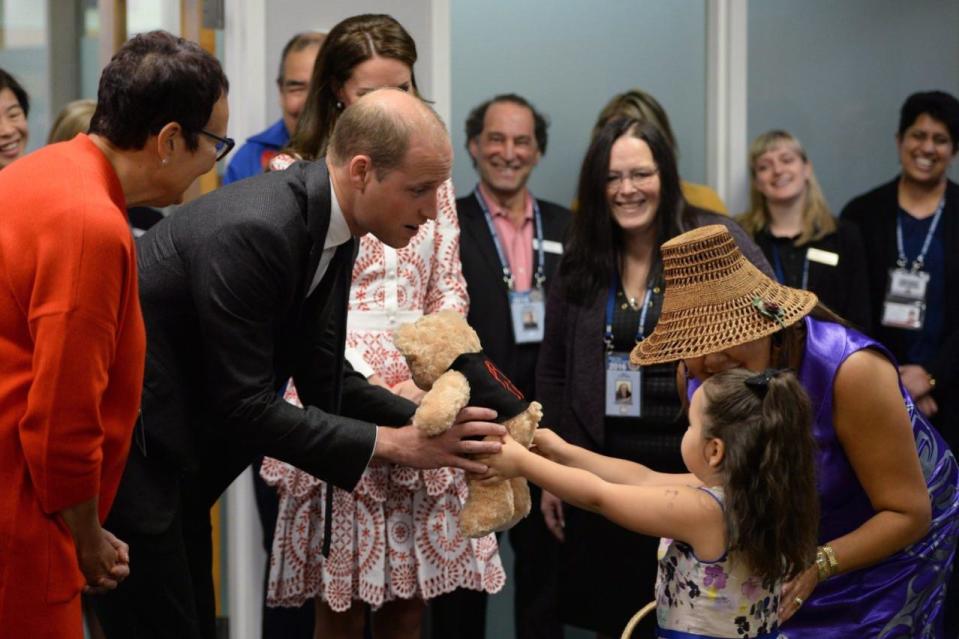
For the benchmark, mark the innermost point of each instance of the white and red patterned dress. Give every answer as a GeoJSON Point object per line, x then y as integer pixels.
{"type": "Point", "coordinates": [396, 535]}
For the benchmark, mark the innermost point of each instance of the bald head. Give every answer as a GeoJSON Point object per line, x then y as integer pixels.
{"type": "Point", "coordinates": [381, 125]}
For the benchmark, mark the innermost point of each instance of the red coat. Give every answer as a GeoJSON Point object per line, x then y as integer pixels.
{"type": "Point", "coordinates": [72, 348]}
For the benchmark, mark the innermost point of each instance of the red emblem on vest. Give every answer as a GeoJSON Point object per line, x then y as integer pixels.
{"type": "Point", "coordinates": [502, 379]}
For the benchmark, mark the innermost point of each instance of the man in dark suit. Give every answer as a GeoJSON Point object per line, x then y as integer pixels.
{"type": "Point", "coordinates": [510, 245]}
{"type": "Point", "coordinates": [241, 290]}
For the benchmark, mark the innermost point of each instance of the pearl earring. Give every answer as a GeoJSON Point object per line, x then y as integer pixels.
{"type": "Point", "coordinates": [164, 161]}
{"type": "Point", "coordinates": [339, 105]}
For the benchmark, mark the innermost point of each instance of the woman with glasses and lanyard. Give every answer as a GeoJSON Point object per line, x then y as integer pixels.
{"type": "Point", "coordinates": [790, 221]}
{"type": "Point", "coordinates": [606, 298]}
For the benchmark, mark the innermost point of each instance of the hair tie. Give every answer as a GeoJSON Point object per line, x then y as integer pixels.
{"type": "Point", "coordinates": [759, 384]}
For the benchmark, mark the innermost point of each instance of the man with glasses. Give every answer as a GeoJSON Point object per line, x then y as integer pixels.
{"type": "Point", "coordinates": [292, 82]}
{"type": "Point", "coordinates": [510, 246]}
{"type": "Point", "coordinates": [72, 341]}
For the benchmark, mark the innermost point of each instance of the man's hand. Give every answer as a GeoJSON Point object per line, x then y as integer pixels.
{"type": "Point", "coordinates": [552, 508]}
{"type": "Point", "coordinates": [104, 560]}
{"type": "Point", "coordinates": [409, 447]}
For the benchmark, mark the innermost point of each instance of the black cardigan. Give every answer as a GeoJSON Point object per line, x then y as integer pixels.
{"type": "Point", "coordinates": [875, 214]}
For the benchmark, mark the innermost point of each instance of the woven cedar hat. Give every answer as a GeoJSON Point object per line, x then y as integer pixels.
{"type": "Point", "coordinates": [715, 299]}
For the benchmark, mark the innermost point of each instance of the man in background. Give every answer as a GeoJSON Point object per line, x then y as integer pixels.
{"type": "Point", "coordinates": [296, 67]}
{"type": "Point", "coordinates": [510, 246]}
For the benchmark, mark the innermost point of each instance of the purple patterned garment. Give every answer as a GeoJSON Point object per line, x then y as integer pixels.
{"type": "Point", "coordinates": [902, 596]}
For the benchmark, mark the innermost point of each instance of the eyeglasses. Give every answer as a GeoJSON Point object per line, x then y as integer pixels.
{"type": "Point", "coordinates": [223, 145]}
{"type": "Point", "coordinates": [638, 178]}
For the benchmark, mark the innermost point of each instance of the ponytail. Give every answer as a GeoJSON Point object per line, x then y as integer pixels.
{"type": "Point", "coordinates": [772, 509]}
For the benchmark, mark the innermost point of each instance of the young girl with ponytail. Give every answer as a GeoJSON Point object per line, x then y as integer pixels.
{"type": "Point", "coordinates": [742, 522]}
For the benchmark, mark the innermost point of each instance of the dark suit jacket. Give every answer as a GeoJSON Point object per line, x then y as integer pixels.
{"type": "Point", "coordinates": [570, 377]}
{"type": "Point", "coordinates": [875, 214]}
{"type": "Point", "coordinates": [489, 312]}
{"type": "Point", "coordinates": [223, 287]}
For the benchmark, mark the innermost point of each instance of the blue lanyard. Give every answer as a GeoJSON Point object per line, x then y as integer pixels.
{"type": "Point", "coordinates": [921, 258]}
{"type": "Point", "coordinates": [538, 278]}
{"type": "Point", "coordinates": [611, 305]}
{"type": "Point", "coordinates": [781, 274]}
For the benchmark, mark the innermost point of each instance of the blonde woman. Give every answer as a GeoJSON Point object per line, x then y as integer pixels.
{"type": "Point", "coordinates": [789, 219]}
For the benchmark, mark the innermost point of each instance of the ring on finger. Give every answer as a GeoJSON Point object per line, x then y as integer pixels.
{"type": "Point", "coordinates": [799, 601]}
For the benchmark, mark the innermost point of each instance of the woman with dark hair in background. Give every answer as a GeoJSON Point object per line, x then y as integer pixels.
{"type": "Point", "coordinates": [790, 221]}
{"type": "Point", "coordinates": [608, 296]}
{"type": "Point", "coordinates": [911, 228]}
{"type": "Point", "coordinates": [395, 539]}
{"type": "Point", "coordinates": [639, 105]}
{"type": "Point", "coordinates": [14, 109]}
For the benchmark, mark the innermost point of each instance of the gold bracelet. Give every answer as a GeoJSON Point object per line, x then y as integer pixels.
{"type": "Point", "coordinates": [831, 556]}
{"type": "Point", "coordinates": [822, 564]}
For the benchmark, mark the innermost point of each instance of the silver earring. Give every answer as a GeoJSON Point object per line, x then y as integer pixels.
{"type": "Point", "coordinates": [339, 105]}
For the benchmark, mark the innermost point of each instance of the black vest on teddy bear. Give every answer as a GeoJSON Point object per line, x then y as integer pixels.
{"type": "Point", "coordinates": [489, 386]}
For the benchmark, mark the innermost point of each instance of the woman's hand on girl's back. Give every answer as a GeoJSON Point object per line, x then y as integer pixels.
{"type": "Point", "coordinates": [797, 591]}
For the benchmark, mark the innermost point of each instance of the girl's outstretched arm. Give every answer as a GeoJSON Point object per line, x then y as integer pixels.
{"type": "Point", "coordinates": [612, 469]}
{"type": "Point", "coordinates": [676, 511]}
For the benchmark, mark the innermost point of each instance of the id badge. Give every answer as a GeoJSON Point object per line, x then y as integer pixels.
{"type": "Point", "coordinates": [907, 285]}
{"type": "Point", "coordinates": [623, 386]}
{"type": "Point", "coordinates": [907, 314]}
{"type": "Point", "coordinates": [527, 310]}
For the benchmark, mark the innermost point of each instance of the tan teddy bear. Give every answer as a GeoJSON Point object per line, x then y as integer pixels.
{"type": "Point", "coordinates": [446, 359]}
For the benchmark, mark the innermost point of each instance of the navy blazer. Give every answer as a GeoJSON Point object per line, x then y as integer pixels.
{"type": "Point", "coordinates": [489, 313]}
{"type": "Point", "coordinates": [223, 287]}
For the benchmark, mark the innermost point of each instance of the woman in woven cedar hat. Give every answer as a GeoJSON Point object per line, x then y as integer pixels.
{"type": "Point", "coordinates": [887, 481]}
{"type": "Point", "coordinates": [608, 294]}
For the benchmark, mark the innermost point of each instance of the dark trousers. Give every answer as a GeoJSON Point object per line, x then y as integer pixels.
{"type": "Point", "coordinates": [169, 592]}
{"type": "Point", "coordinates": [278, 623]}
{"type": "Point", "coordinates": [462, 613]}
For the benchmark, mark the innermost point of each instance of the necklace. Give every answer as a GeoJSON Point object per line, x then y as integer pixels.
{"type": "Point", "coordinates": [633, 302]}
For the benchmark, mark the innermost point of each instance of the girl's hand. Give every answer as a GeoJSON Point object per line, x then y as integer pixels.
{"type": "Point", "coordinates": [410, 391]}
{"type": "Point", "coordinates": [552, 509]}
{"type": "Point", "coordinates": [506, 464]}
{"type": "Point", "coordinates": [796, 592]}
{"type": "Point", "coordinates": [548, 444]}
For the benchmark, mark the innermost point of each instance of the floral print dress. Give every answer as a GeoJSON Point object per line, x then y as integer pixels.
{"type": "Point", "coordinates": [698, 599]}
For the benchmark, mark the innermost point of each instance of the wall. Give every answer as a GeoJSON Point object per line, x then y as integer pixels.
{"type": "Point", "coordinates": [836, 73]}
{"type": "Point", "coordinates": [568, 58]}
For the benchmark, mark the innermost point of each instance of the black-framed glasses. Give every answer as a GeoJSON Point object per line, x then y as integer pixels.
{"type": "Point", "coordinates": [222, 146]}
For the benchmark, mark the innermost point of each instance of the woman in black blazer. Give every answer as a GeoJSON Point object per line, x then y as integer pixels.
{"type": "Point", "coordinates": [790, 221]}
{"type": "Point", "coordinates": [607, 295]}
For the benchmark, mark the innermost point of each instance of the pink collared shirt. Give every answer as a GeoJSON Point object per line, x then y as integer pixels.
{"type": "Point", "coordinates": [516, 241]}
